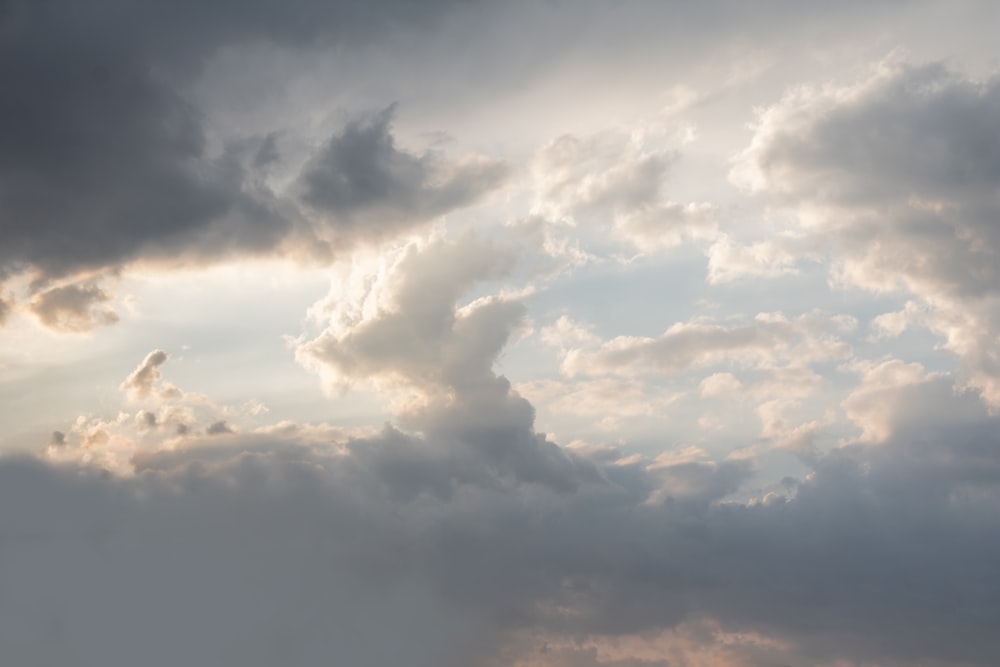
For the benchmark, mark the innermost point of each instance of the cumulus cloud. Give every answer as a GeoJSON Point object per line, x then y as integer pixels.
{"type": "Point", "coordinates": [876, 403]}
{"type": "Point", "coordinates": [73, 307]}
{"type": "Point", "coordinates": [729, 260]}
{"type": "Point", "coordinates": [102, 160]}
{"type": "Point", "coordinates": [896, 176]}
{"type": "Point", "coordinates": [769, 363]}
{"type": "Point", "coordinates": [402, 322]}
{"type": "Point", "coordinates": [617, 181]}
{"type": "Point", "coordinates": [139, 384]}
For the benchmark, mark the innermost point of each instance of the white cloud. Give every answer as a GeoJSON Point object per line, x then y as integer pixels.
{"type": "Point", "coordinates": [897, 176]}
{"type": "Point", "coordinates": [402, 324]}
{"type": "Point", "coordinates": [771, 338]}
{"type": "Point", "coordinates": [720, 384]}
{"type": "Point", "coordinates": [617, 180]}
{"type": "Point", "coordinates": [729, 261]}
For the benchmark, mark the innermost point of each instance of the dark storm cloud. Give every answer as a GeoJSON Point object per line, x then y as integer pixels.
{"type": "Point", "coordinates": [103, 160]}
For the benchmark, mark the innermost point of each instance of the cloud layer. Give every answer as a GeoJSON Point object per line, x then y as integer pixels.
{"type": "Point", "coordinates": [470, 535]}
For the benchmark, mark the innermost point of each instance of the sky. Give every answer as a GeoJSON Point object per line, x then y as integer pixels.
{"type": "Point", "coordinates": [468, 333]}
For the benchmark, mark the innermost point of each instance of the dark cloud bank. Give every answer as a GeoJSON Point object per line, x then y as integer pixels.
{"type": "Point", "coordinates": [430, 550]}
{"type": "Point", "coordinates": [105, 161]}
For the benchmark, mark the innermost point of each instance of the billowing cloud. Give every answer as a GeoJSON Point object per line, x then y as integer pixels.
{"type": "Point", "coordinates": [896, 178]}
{"type": "Point", "coordinates": [402, 323]}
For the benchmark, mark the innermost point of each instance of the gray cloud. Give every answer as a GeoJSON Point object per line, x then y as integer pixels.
{"type": "Point", "coordinates": [416, 333]}
{"type": "Point", "coordinates": [364, 182]}
{"type": "Point", "coordinates": [101, 159]}
{"type": "Point", "coordinates": [440, 540]}
{"type": "Point", "coordinates": [432, 550]}
{"type": "Point", "coordinates": [104, 160]}
{"type": "Point", "coordinates": [219, 428]}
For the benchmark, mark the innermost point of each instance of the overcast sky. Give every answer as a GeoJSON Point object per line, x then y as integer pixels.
{"type": "Point", "coordinates": [466, 333]}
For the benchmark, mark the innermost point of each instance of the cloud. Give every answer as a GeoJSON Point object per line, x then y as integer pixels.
{"type": "Point", "coordinates": [875, 404]}
{"type": "Point", "coordinates": [606, 401]}
{"type": "Point", "coordinates": [720, 384]}
{"type": "Point", "coordinates": [771, 338]}
{"type": "Point", "coordinates": [729, 260]}
{"type": "Point", "coordinates": [403, 323]}
{"type": "Point", "coordinates": [6, 308]}
{"type": "Point", "coordinates": [106, 159]}
{"type": "Point", "coordinates": [370, 188]}
{"type": "Point", "coordinates": [617, 180]}
{"type": "Point", "coordinates": [139, 384]}
{"type": "Point", "coordinates": [769, 363]}
{"type": "Point", "coordinates": [408, 333]}
{"type": "Point", "coordinates": [448, 538]}
{"type": "Point", "coordinates": [294, 544]}
{"type": "Point", "coordinates": [73, 307]}
{"type": "Point", "coordinates": [896, 177]}
{"type": "Point", "coordinates": [102, 161]}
